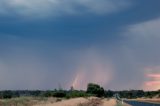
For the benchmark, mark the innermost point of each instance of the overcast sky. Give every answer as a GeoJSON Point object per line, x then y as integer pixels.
{"type": "Point", "coordinates": [45, 44]}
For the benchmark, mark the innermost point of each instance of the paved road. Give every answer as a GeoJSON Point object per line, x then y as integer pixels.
{"type": "Point", "coordinates": [135, 103]}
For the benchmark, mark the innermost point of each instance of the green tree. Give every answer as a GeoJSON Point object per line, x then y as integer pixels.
{"type": "Point", "coordinates": [95, 89]}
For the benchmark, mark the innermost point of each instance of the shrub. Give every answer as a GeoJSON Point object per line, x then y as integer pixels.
{"type": "Point", "coordinates": [60, 94]}
{"type": "Point", "coordinates": [74, 94]}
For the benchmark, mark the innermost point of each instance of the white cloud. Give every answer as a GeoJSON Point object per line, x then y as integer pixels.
{"type": "Point", "coordinates": [145, 29]}
{"type": "Point", "coordinates": [59, 7]}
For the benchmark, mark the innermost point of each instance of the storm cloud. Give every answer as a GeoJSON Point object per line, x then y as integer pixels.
{"type": "Point", "coordinates": [71, 43]}
{"type": "Point", "coordinates": [46, 8]}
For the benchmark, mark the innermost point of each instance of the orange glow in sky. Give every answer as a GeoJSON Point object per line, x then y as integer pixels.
{"type": "Point", "coordinates": [154, 75]}
{"type": "Point", "coordinates": [153, 82]}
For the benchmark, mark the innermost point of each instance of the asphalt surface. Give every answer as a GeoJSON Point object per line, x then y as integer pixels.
{"type": "Point", "coordinates": [136, 103]}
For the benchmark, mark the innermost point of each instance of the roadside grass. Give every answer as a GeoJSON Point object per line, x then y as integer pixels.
{"type": "Point", "coordinates": [119, 103]}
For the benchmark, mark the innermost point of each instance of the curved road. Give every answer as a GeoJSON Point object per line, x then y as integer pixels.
{"type": "Point", "coordinates": [136, 103]}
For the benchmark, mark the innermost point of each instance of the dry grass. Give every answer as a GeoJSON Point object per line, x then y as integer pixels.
{"type": "Point", "coordinates": [70, 102]}
{"type": "Point", "coordinates": [31, 101]}
{"type": "Point", "coordinates": [92, 102]}
{"type": "Point", "coordinates": [26, 101]}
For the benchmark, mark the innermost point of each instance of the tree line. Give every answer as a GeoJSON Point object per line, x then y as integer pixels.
{"type": "Point", "coordinates": [92, 90]}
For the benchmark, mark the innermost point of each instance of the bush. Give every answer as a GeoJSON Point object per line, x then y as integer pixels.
{"type": "Point", "coordinates": [47, 94]}
{"type": "Point", "coordinates": [74, 94]}
{"type": "Point", "coordinates": [7, 94]}
{"type": "Point", "coordinates": [59, 94]}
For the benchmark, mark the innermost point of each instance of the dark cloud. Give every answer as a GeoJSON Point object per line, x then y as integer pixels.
{"type": "Point", "coordinates": [113, 47]}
